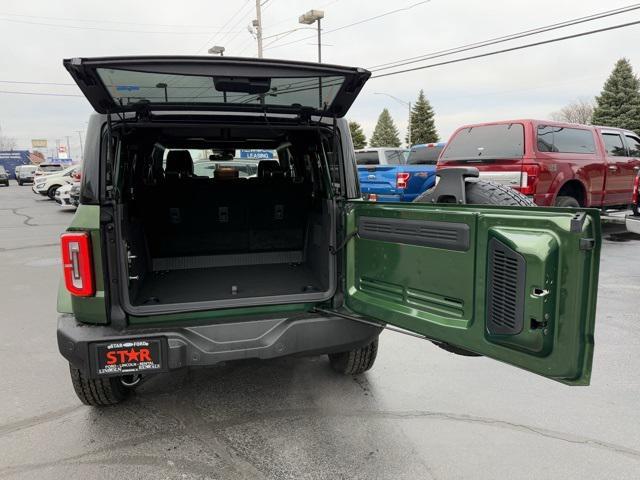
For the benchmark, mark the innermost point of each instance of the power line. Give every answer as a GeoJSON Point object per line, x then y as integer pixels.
{"type": "Point", "coordinates": [212, 37]}
{"type": "Point", "coordinates": [359, 22]}
{"type": "Point", "coordinates": [511, 49]}
{"type": "Point", "coordinates": [512, 36]}
{"type": "Point", "coordinates": [38, 83]}
{"type": "Point", "coordinates": [72, 19]}
{"type": "Point", "coordinates": [44, 94]}
{"type": "Point", "coordinates": [102, 29]}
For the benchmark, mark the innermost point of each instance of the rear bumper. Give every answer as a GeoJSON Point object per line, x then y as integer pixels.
{"type": "Point", "coordinates": [633, 224]}
{"type": "Point", "coordinates": [211, 344]}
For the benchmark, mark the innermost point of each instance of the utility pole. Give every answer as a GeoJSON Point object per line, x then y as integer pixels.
{"type": "Point", "coordinates": [81, 147]}
{"type": "Point", "coordinates": [258, 24]}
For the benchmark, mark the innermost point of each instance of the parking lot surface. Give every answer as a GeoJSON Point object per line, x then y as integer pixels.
{"type": "Point", "coordinates": [420, 413]}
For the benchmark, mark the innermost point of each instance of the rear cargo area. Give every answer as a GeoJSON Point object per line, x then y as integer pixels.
{"type": "Point", "coordinates": [225, 239]}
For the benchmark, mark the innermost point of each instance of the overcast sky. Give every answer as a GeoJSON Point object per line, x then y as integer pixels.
{"type": "Point", "coordinates": [37, 34]}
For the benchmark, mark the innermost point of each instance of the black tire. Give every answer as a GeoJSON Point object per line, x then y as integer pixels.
{"type": "Point", "coordinates": [566, 202]}
{"type": "Point", "coordinates": [100, 392]}
{"type": "Point", "coordinates": [355, 362]}
{"type": "Point", "coordinates": [480, 192]}
{"type": "Point", "coordinates": [51, 193]}
{"type": "Point", "coordinates": [20, 183]}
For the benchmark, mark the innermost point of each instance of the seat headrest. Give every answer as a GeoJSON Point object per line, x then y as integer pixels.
{"type": "Point", "coordinates": [267, 168]}
{"type": "Point", "coordinates": [225, 173]}
{"type": "Point", "coordinates": [179, 163]}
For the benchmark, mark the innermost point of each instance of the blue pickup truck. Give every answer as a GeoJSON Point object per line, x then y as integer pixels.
{"type": "Point", "coordinates": [388, 175]}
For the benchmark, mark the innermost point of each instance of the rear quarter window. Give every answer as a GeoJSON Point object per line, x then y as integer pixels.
{"type": "Point", "coordinates": [565, 140]}
{"type": "Point", "coordinates": [486, 142]}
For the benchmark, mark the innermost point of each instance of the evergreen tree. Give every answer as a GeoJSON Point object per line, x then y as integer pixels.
{"type": "Point", "coordinates": [385, 134]}
{"type": "Point", "coordinates": [421, 122]}
{"type": "Point", "coordinates": [357, 135]}
{"type": "Point", "coordinates": [619, 103]}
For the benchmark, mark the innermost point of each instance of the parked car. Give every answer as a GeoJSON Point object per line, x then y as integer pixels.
{"type": "Point", "coordinates": [74, 194]}
{"type": "Point", "coordinates": [48, 184]}
{"type": "Point", "coordinates": [4, 176]}
{"type": "Point", "coordinates": [165, 270]}
{"type": "Point", "coordinates": [25, 173]}
{"type": "Point", "coordinates": [555, 164]}
{"type": "Point", "coordinates": [47, 168]}
{"type": "Point", "coordinates": [63, 195]}
{"type": "Point", "coordinates": [397, 182]}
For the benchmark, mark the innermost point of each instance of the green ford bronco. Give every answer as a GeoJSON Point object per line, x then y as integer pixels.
{"type": "Point", "coordinates": [166, 268]}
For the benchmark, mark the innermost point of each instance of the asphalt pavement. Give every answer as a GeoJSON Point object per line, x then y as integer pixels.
{"type": "Point", "coordinates": [420, 413]}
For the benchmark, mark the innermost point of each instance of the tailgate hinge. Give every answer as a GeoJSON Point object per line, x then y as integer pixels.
{"type": "Point", "coordinates": [333, 250]}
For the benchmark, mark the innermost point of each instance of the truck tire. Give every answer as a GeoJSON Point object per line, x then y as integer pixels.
{"type": "Point", "coordinates": [355, 362]}
{"type": "Point", "coordinates": [98, 392]}
{"type": "Point", "coordinates": [566, 202]}
{"type": "Point", "coordinates": [481, 192]}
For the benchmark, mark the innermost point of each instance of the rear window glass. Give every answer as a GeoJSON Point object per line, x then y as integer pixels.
{"type": "Point", "coordinates": [128, 87]}
{"type": "Point", "coordinates": [394, 157]}
{"type": "Point", "coordinates": [50, 168]}
{"type": "Point", "coordinates": [367, 158]}
{"type": "Point", "coordinates": [634, 146]}
{"type": "Point", "coordinates": [487, 142]}
{"type": "Point", "coordinates": [565, 140]}
{"type": "Point", "coordinates": [207, 168]}
{"type": "Point", "coordinates": [613, 144]}
{"type": "Point", "coordinates": [424, 155]}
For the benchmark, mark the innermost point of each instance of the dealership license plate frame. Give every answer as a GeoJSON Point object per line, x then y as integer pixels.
{"type": "Point", "coordinates": [158, 363]}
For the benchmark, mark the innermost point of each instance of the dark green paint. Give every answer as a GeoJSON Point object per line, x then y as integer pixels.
{"type": "Point", "coordinates": [442, 293]}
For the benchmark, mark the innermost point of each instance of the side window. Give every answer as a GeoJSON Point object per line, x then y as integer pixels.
{"type": "Point", "coordinates": [394, 157]}
{"type": "Point", "coordinates": [545, 139]}
{"type": "Point", "coordinates": [565, 140]}
{"type": "Point", "coordinates": [613, 144]}
{"type": "Point", "coordinates": [633, 143]}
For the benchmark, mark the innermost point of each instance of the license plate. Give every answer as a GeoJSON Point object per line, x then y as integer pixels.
{"type": "Point", "coordinates": [129, 356]}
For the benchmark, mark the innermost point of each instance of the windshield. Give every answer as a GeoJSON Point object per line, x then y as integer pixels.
{"type": "Point", "coordinates": [427, 155]}
{"type": "Point", "coordinates": [128, 87]}
{"type": "Point", "coordinates": [487, 142]}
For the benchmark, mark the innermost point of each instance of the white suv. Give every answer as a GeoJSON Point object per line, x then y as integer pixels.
{"type": "Point", "coordinates": [48, 184]}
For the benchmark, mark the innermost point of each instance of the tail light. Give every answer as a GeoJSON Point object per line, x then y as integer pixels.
{"type": "Point", "coordinates": [636, 187]}
{"type": "Point", "coordinates": [373, 197]}
{"type": "Point", "coordinates": [77, 264]}
{"type": "Point", "coordinates": [401, 179]}
{"type": "Point", "coordinates": [528, 179]}
{"type": "Point", "coordinates": [76, 175]}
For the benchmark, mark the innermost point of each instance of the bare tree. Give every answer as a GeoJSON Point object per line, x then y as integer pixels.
{"type": "Point", "coordinates": [578, 111]}
{"type": "Point", "coordinates": [6, 143]}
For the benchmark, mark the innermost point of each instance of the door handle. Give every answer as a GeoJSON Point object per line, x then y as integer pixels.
{"type": "Point", "coordinates": [613, 168]}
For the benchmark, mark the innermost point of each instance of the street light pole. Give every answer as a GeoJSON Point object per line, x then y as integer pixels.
{"type": "Point", "coordinates": [308, 19]}
{"type": "Point", "coordinates": [319, 42]}
{"type": "Point", "coordinates": [407, 104]}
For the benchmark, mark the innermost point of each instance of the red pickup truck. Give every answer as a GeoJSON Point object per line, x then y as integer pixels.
{"type": "Point", "coordinates": [556, 164]}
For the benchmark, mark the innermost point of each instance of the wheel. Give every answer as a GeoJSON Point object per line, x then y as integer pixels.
{"type": "Point", "coordinates": [355, 362]}
{"type": "Point", "coordinates": [481, 192]}
{"type": "Point", "coordinates": [566, 202]}
{"type": "Point", "coordinates": [51, 193]}
{"type": "Point", "coordinates": [98, 392]}
{"type": "Point", "coordinates": [20, 182]}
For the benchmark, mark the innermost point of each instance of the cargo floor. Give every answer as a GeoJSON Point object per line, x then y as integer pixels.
{"type": "Point", "coordinates": [208, 284]}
